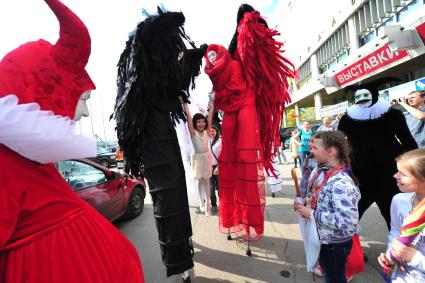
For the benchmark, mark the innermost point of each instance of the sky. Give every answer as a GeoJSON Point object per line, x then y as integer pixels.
{"type": "Point", "coordinates": [110, 22]}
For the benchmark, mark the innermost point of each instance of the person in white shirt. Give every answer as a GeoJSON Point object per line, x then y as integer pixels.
{"type": "Point", "coordinates": [215, 146]}
{"type": "Point", "coordinates": [327, 125]}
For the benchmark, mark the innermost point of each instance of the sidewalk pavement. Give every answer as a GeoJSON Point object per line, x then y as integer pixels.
{"type": "Point", "coordinates": [278, 257]}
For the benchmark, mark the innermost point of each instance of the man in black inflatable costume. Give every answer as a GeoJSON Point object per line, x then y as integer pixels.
{"type": "Point", "coordinates": [153, 71]}
{"type": "Point", "coordinates": [377, 134]}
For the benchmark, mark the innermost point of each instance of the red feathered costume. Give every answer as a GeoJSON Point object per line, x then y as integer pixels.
{"type": "Point", "coordinates": [251, 89]}
{"type": "Point", "coordinates": [47, 233]}
{"type": "Point", "coordinates": [266, 72]}
{"type": "Point", "coordinates": [241, 177]}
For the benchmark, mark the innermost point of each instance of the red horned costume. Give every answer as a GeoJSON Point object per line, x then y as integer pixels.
{"type": "Point", "coordinates": [47, 233]}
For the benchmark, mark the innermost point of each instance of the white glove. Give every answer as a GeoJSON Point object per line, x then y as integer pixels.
{"type": "Point", "coordinates": [211, 101]}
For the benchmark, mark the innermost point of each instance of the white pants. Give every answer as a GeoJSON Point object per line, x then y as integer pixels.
{"type": "Point", "coordinates": [204, 195]}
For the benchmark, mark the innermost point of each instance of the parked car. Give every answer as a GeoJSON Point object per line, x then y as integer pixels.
{"type": "Point", "coordinates": [110, 146]}
{"type": "Point", "coordinates": [104, 157]}
{"type": "Point", "coordinates": [113, 194]}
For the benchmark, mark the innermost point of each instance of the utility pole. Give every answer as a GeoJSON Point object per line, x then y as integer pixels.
{"type": "Point", "coordinates": [91, 119]}
{"type": "Point", "coordinates": [103, 118]}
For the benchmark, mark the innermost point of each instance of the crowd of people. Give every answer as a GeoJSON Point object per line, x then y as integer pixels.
{"type": "Point", "coordinates": [336, 191]}
{"type": "Point", "coordinates": [331, 195]}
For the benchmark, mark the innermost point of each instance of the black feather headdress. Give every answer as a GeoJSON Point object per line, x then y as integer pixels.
{"type": "Point", "coordinates": [243, 9]}
{"type": "Point", "coordinates": [149, 72]}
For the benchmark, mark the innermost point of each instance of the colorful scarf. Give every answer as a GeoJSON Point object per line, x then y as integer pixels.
{"type": "Point", "coordinates": [318, 181]}
{"type": "Point", "coordinates": [413, 224]}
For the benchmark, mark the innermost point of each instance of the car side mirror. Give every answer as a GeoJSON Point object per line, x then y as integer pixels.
{"type": "Point", "coordinates": [113, 175]}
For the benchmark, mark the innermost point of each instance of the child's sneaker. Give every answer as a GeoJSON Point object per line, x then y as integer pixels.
{"type": "Point", "coordinates": [349, 278]}
{"type": "Point", "coordinates": [318, 270]}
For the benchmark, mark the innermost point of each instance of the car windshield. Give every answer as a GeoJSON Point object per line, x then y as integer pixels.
{"type": "Point", "coordinates": [80, 175]}
{"type": "Point", "coordinates": [101, 150]}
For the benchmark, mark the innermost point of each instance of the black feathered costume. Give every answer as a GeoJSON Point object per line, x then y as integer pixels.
{"type": "Point", "coordinates": [377, 135]}
{"type": "Point", "coordinates": [151, 75]}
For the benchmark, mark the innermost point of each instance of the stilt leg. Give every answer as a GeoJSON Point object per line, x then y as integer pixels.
{"type": "Point", "coordinates": [248, 251]}
{"type": "Point", "coordinates": [228, 235]}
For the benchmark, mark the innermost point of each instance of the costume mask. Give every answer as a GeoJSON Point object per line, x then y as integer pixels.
{"type": "Point", "coordinates": [363, 98]}
{"type": "Point", "coordinates": [82, 110]}
{"type": "Point", "coordinates": [212, 55]}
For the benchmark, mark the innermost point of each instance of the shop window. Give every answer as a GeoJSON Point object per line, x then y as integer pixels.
{"type": "Point", "coordinates": [334, 46]}
{"type": "Point", "coordinates": [343, 55]}
{"type": "Point", "coordinates": [370, 17]}
{"type": "Point", "coordinates": [412, 6]}
{"type": "Point", "coordinates": [332, 64]}
{"type": "Point", "coordinates": [304, 74]}
{"type": "Point", "coordinates": [323, 69]}
{"type": "Point", "coordinates": [388, 22]}
{"type": "Point", "coordinates": [367, 38]}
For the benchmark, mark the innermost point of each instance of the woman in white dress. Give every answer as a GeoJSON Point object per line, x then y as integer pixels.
{"type": "Point", "coordinates": [201, 159]}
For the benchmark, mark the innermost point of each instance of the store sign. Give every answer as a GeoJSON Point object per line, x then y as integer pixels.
{"type": "Point", "coordinates": [334, 109]}
{"type": "Point", "coordinates": [421, 31]}
{"type": "Point", "coordinates": [402, 90]}
{"type": "Point", "coordinates": [420, 84]}
{"type": "Point", "coordinates": [378, 59]}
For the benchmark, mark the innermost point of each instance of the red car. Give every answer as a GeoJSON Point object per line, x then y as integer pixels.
{"type": "Point", "coordinates": [113, 194]}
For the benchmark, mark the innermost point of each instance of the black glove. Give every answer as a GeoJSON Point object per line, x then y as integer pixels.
{"type": "Point", "coordinates": [184, 97]}
{"type": "Point", "coordinates": [204, 48]}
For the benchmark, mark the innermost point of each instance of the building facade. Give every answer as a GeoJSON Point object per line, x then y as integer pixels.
{"type": "Point", "coordinates": [351, 41]}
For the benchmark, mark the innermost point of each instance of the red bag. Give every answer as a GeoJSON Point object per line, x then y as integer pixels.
{"type": "Point", "coordinates": [355, 260]}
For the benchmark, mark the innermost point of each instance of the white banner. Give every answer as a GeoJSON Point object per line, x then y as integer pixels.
{"type": "Point", "coordinates": [334, 109]}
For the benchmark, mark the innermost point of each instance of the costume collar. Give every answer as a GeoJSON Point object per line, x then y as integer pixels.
{"type": "Point", "coordinates": [39, 135]}
{"type": "Point", "coordinates": [373, 112]}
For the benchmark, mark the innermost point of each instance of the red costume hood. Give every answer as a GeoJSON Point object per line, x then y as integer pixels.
{"type": "Point", "coordinates": [222, 60]}
{"type": "Point", "coordinates": [53, 76]}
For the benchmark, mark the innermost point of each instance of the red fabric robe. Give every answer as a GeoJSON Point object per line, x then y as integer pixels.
{"type": "Point", "coordinates": [48, 234]}
{"type": "Point", "coordinates": [241, 177]}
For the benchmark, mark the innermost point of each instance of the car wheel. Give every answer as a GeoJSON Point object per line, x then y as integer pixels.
{"type": "Point", "coordinates": [105, 163]}
{"type": "Point", "coordinates": [136, 202]}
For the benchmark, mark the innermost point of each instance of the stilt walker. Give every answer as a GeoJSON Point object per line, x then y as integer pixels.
{"type": "Point", "coordinates": [152, 72]}
{"type": "Point", "coordinates": [251, 90]}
